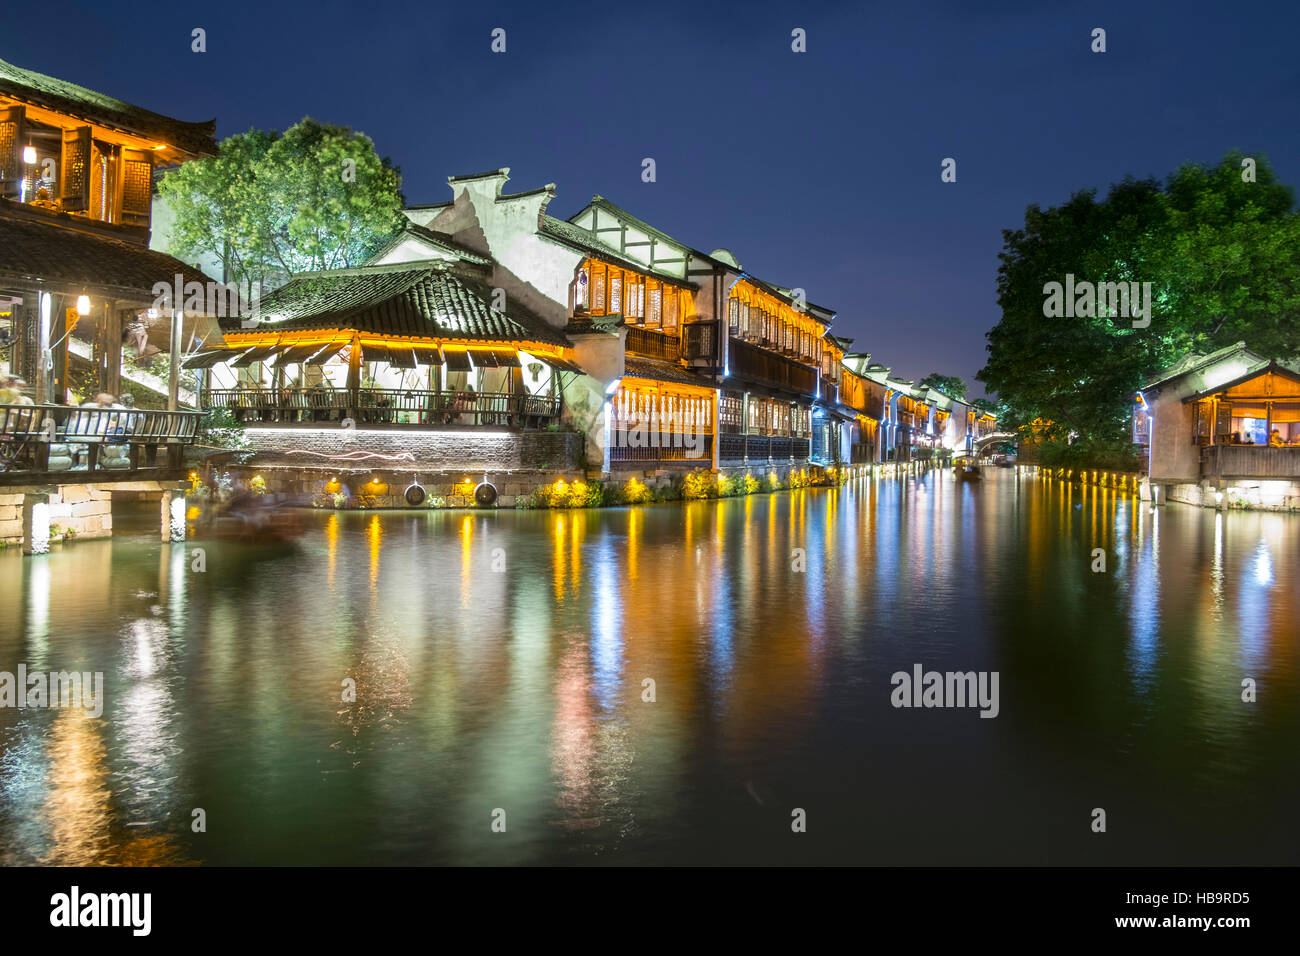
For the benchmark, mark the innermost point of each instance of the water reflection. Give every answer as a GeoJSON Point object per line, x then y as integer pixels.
{"type": "Point", "coordinates": [499, 662]}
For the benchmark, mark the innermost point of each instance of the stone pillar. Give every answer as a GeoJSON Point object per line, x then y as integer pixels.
{"type": "Point", "coordinates": [36, 523]}
{"type": "Point", "coordinates": [171, 513]}
{"type": "Point", "coordinates": [716, 429]}
{"type": "Point", "coordinates": [174, 365]}
{"type": "Point", "coordinates": [41, 383]}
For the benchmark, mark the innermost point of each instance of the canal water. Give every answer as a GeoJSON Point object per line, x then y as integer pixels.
{"type": "Point", "coordinates": [500, 658]}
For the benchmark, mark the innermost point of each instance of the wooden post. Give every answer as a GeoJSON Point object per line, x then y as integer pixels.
{"type": "Point", "coordinates": [113, 351]}
{"type": "Point", "coordinates": [108, 349]}
{"type": "Point", "coordinates": [59, 356]}
{"type": "Point", "coordinates": [354, 375]}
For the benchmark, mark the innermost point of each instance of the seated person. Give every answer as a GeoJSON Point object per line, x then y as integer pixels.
{"type": "Point", "coordinates": [1275, 439]}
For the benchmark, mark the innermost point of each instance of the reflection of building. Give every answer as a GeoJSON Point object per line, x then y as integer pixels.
{"type": "Point", "coordinates": [1223, 429]}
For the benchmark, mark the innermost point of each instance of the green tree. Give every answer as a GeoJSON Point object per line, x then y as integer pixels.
{"type": "Point", "coordinates": [1224, 262]}
{"type": "Point", "coordinates": [950, 385]}
{"type": "Point", "coordinates": [271, 205]}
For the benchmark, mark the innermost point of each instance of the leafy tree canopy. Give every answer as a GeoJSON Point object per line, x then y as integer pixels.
{"type": "Point", "coordinates": [950, 385]}
{"type": "Point", "coordinates": [271, 204]}
{"type": "Point", "coordinates": [1223, 258]}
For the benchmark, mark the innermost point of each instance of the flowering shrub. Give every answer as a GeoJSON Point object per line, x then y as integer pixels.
{"type": "Point", "coordinates": [699, 484]}
{"type": "Point", "coordinates": [562, 494]}
{"type": "Point", "coordinates": [635, 492]}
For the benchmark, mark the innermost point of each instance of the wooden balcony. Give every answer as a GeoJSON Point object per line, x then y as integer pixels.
{"type": "Point", "coordinates": [43, 440]}
{"type": "Point", "coordinates": [665, 346]}
{"type": "Point", "coordinates": [387, 406]}
{"type": "Point", "coordinates": [751, 362]}
{"type": "Point", "coordinates": [1250, 461]}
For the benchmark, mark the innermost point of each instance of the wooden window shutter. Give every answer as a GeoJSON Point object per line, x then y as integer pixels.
{"type": "Point", "coordinates": [137, 183]}
{"type": "Point", "coordinates": [74, 170]}
{"type": "Point", "coordinates": [12, 130]}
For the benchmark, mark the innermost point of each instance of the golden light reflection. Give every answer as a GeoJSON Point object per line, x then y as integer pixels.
{"type": "Point", "coordinates": [635, 520]}
{"type": "Point", "coordinates": [374, 532]}
{"type": "Point", "coordinates": [78, 804]}
{"type": "Point", "coordinates": [332, 546]}
{"type": "Point", "coordinates": [466, 561]}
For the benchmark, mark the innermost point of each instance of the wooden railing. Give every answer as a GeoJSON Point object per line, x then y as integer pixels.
{"type": "Point", "coordinates": [52, 438]}
{"type": "Point", "coordinates": [387, 406]}
{"type": "Point", "coordinates": [659, 345]}
{"type": "Point", "coordinates": [753, 362]}
{"type": "Point", "coordinates": [1250, 461]}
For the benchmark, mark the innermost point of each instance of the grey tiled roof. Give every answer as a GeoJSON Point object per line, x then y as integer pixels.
{"type": "Point", "coordinates": [65, 97]}
{"type": "Point", "coordinates": [429, 300]}
{"type": "Point", "coordinates": [662, 372]}
{"type": "Point", "coordinates": [57, 253]}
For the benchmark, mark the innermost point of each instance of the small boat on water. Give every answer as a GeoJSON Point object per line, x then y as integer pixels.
{"type": "Point", "coordinates": [252, 519]}
{"type": "Point", "coordinates": [968, 471]}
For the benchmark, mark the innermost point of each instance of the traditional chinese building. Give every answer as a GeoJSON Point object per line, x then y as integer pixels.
{"type": "Point", "coordinates": [1222, 430]}
{"type": "Point", "coordinates": [77, 277]}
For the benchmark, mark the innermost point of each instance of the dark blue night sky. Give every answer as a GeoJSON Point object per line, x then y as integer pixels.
{"type": "Point", "coordinates": [818, 170]}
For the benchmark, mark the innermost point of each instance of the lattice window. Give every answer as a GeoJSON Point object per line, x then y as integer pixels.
{"type": "Point", "coordinates": [654, 317]}
{"type": "Point", "coordinates": [670, 308]}
{"type": "Point", "coordinates": [615, 292]}
{"type": "Point", "coordinates": [733, 316]}
{"type": "Point", "coordinates": [74, 171]}
{"type": "Point", "coordinates": [729, 410]}
{"type": "Point", "coordinates": [136, 178]}
{"type": "Point", "coordinates": [598, 292]}
{"type": "Point", "coordinates": [10, 152]}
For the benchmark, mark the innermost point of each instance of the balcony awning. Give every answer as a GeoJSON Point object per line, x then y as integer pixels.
{"type": "Point", "coordinates": [507, 358]}
{"type": "Point", "coordinates": [258, 353]}
{"type": "Point", "coordinates": [297, 354]}
{"type": "Point", "coordinates": [325, 354]}
{"type": "Point", "coordinates": [211, 357]}
{"type": "Point", "coordinates": [428, 355]}
{"type": "Point", "coordinates": [401, 356]}
{"type": "Point", "coordinates": [457, 360]}
{"type": "Point", "coordinates": [483, 358]}
{"type": "Point", "coordinates": [374, 353]}
{"type": "Point", "coordinates": [560, 364]}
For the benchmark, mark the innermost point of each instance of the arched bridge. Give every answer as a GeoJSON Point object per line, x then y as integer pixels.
{"type": "Point", "coordinates": [982, 444]}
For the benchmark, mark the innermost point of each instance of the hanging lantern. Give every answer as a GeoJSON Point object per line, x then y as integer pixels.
{"type": "Point", "coordinates": [29, 155]}
{"type": "Point", "coordinates": [83, 305]}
